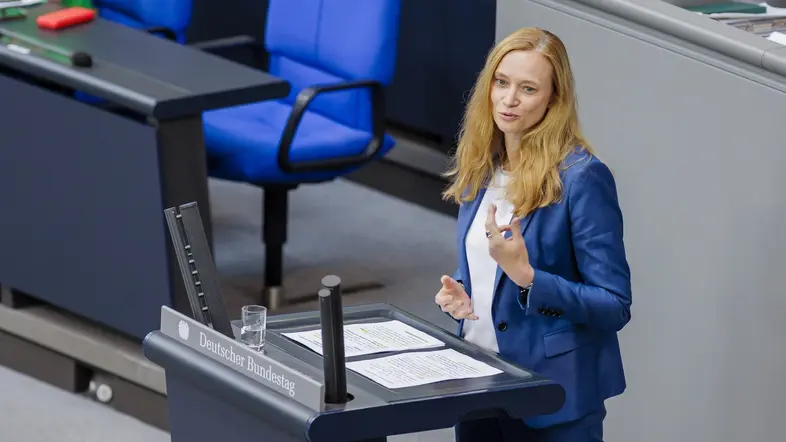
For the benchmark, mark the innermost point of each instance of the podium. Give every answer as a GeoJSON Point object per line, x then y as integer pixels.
{"type": "Point", "coordinates": [219, 388]}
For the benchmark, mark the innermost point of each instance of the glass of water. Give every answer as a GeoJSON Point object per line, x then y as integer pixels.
{"type": "Point", "coordinates": [254, 325]}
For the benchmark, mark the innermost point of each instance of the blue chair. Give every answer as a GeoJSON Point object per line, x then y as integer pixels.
{"type": "Point", "coordinates": [337, 55]}
{"type": "Point", "coordinates": [166, 18]}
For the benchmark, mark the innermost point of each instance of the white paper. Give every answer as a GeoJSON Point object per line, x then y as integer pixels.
{"type": "Point", "coordinates": [370, 338]}
{"type": "Point", "coordinates": [19, 3]}
{"type": "Point", "coordinates": [777, 37]}
{"type": "Point", "coordinates": [420, 368]}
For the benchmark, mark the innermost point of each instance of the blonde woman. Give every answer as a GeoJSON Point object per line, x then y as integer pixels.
{"type": "Point", "coordinates": [542, 276]}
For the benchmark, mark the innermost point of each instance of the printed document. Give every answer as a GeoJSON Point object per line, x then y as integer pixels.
{"type": "Point", "coordinates": [370, 338]}
{"type": "Point", "coordinates": [420, 368]}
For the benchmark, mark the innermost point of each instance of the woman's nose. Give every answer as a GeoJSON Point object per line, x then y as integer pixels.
{"type": "Point", "coordinates": [509, 99]}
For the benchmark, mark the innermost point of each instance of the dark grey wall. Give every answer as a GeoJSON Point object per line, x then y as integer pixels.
{"type": "Point", "coordinates": [442, 46]}
{"type": "Point", "coordinates": [216, 19]}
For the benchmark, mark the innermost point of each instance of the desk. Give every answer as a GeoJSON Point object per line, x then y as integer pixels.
{"type": "Point", "coordinates": [211, 397]}
{"type": "Point", "coordinates": [83, 188]}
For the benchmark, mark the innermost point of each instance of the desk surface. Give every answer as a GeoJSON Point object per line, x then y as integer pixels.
{"type": "Point", "coordinates": [148, 74]}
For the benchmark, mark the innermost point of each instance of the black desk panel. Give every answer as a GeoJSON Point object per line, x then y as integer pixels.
{"type": "Point", "coordinates": [80, 203]}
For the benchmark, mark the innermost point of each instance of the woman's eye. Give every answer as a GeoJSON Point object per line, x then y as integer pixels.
{"type": "Point", "coordinates": [501, 82]}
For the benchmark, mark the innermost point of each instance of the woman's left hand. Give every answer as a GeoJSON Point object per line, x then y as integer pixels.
{"type": "Point", "coordinates": [511, 253]}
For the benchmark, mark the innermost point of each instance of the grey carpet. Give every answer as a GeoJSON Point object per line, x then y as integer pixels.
{"type": "Point", "coordinates": [407, 247]}
{"type": "Point", "coordinates": [31, 411]}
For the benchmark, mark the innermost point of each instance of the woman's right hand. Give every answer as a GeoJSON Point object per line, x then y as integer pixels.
{"type": "Point", "coordinates": [453, 300]}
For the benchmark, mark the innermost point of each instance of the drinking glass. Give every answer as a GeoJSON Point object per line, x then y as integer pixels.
{"type": "Point", "coordinates": [252, 333]}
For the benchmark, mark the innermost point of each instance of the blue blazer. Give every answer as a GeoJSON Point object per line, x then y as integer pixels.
{"type": "Point", "coordinates": [580, 298]}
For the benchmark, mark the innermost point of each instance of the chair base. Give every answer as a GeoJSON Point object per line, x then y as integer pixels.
{"type": "Point", "coordinates": [273, 298]}
{"type": "Point", "coordinates": [296, 286]}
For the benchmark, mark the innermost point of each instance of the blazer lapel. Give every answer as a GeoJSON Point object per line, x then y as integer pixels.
{"type": "Point", "coordinates": [466, 223]}
{"type": "Point", "coordinates": [524, 224]}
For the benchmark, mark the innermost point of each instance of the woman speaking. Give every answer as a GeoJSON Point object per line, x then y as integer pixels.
{"type": "Point", "coordinates": [542, 275]}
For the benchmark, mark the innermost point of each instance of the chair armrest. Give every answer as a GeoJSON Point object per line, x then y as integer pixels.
{"type": "Point", "coordinates": [243, 49]}
{"type": "Point", "coordinates": [298, 110]}
{"type": "Point", "coordinates": [163, 32]}
{"type": "Point", "coordinates": [220, 44]}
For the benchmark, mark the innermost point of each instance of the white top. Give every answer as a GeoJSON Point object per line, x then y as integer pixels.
{"type": "Point", "coordinates": [482, 267]}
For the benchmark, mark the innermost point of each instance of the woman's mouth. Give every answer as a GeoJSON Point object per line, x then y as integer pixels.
{"type": "Point", "coordinates": [507, 116]}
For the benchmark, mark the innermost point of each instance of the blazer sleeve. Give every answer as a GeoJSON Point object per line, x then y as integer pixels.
{"type": "Point", "coordinates": [603, 298]}
{"type": "Point", "coordinates": [457, 276]}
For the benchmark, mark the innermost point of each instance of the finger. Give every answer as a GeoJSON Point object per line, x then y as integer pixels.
{"type": "Point", "coordinates": [455, 306]}
{"type": "Point", "coordinates": [439, 299]}
{"type": "Point", "coordinates": [449, 303]}
{"type": "Point", "coordinates": [491, 221]}
{"type": "Point", "coordinates": [465, 314]}
{"type": "Point", "coordinates": [448, 283]}
{"type": "Point", "coordinates": [471, 308]}
{"type": "Point", "coordinates": [468, 311]}
{"type": "Point", "coordinates": [453, 287]}
{"type": "Point", "coordinates": [514, 227]}
{"type": "Point", "coordinates": [462, 313]}
{"type": "Point", "coordinates": [444, 299]}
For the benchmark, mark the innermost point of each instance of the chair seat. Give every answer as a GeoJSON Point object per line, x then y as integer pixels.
{"type": "Point", "coordinates": [242, 143]}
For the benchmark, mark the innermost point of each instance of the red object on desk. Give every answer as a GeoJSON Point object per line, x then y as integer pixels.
{"type": "Point", "coordinates": [65, 17]}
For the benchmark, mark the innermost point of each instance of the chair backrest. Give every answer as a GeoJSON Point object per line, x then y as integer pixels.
{"type": "Point", "coordinates": [314, 42]}
{"type": "Point", "coordinates": [172, 14]}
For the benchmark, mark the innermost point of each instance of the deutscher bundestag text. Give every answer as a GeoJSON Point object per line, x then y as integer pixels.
{"type": "Point", "coordinates": [228, 352]}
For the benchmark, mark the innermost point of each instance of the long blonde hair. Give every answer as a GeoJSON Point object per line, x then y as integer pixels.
{"type": "Point", "coordinates": [535, 180]}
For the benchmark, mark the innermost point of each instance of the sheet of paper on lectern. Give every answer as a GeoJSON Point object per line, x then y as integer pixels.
{"type": "Point", "coordinates": [421, 368]}
{"type": "Point", "coordinates": [371, 338]}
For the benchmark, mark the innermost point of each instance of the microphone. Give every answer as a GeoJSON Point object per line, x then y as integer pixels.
{"type": "Point", "coordinates": [81, 59]}
{"type": "Point", "coordinates": [333, 359]}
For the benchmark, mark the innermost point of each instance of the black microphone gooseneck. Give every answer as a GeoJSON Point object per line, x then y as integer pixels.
{"type": "Point", "coordinates": [333, 359]}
